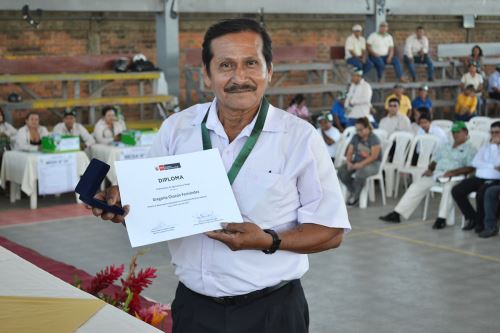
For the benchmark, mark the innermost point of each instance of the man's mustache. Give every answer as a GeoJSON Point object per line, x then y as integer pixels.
{"type": "Point", "coordinates": [234, 88]}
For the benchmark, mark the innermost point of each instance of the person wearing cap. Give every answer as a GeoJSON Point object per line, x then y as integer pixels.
{"type": "Point", "coordinates": [394, 121]}
{"type": "Point", "coordinates": [417, 52]}
{"type": "Point", "coordinates": [358, 101]}
{"type": "Point", "coordinates": [330, 134]}
{"type": "Point", "coordinates": [472, 77]}
{"type": "Point", "coordinates": [494, 84]}
{"type": "Point", "coordinates": [487, 165]}
{"type": "Point", "coordinates": [450, 160]}
{"type": "Point", "coordinates": [355, 50]}
{"type": "Point", "coordinates": [404, 101]}
{"type": "Point", "coordinates": [338, 113]}
{"type": "Point", "coordinates": [109, 128]}
{"type": "Point", "coordinates": [422, 100]}
{"type": "Point", "coordinates": [380, 47]}
{"type": "Point", "coordinates": [69, 126]}
{"type": "Point", "coordinates": [466, 104]}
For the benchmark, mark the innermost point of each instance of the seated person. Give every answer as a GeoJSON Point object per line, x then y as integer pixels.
{"type": "Point", "coordinates": [414, 127]}
{"type": "Point", "coordinates": [338, 113]}
{"type": "Point", "coordinates": [380, 47]}
{"type": "Point", "coordinates": [465, 108]}
{"type": "Point", "coordinates": [494, 84]}
{"type": "Point", "coordinates": [426, 127]}
{"type": "Point", "coordinates": [417, 52]}
{"type": "Point", "coordinates": [491, 206]}
{"type": "Point", "coordinates": [29, 137]}
{"type": "Point", "coordinates": [422, 100]}
{"type": "Point", "coordinates": [476, 57]}
{"type": "Point", "coordinates": [487, 164]}
{"type": "Point", "coordinates": [404, 101]}
{"type": "Point", "coordinates": [298, 108]}
{"type": "Point", "coordinates": [472, 77]}
{"type": "Point", "coordinates": [7, 131]}
{"type": "Point", "coordinates": [358, 101]}
{"type": "Point", "coordinates": [330, 134]}
{"type": "Point", "coordinates": [362, 160]}
{"type": "Point", "coordinates": [108, 129]}
{"type": "Point", "coordinates": [69, 126]}
{"type": "Point", "coordinates": [394, 121]}
{"type": "Point", "coordinates": [355, 50]}
{"type": "Point", "coordinates": [451, 160]}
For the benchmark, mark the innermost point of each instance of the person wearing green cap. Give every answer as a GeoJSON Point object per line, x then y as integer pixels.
{"type": "Point", "coordinates": [448, 161]}
{"type": "Point", "coordinates": [69, 126]}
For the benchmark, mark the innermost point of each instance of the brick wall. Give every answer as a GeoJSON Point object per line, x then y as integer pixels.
{"type": "Point", "coordinates": [81, 33]}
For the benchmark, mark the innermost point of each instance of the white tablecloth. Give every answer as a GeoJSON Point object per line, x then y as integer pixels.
{"type": "Point", "coordinates": [109, 154]}
{"type": "Point", "coordinates": [20, 167]}
{"type": "Point", "coordinates": [21, 278]}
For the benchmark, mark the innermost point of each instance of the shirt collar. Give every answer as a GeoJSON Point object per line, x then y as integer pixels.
{"type": "Point", "coordinates": [274, 121]}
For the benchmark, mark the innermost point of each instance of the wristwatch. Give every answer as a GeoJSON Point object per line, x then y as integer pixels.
{"type": "Point", "coordinates": [276, 241]}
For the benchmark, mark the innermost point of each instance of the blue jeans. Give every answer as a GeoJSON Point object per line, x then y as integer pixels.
{"type": "Point", "coordinates": [491, 207]}
{"type": "Point", "coordinates": [420, 60]}
{"type": "Point", "coordinates": [380, 62]}
{"type": "Point", "coordinates": [464, 117]}
{"type": "Point", "coordinates": [355, 62]}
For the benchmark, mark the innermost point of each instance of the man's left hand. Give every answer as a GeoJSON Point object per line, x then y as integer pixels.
{"type": "Point", "coordinates": [242, 236]}
{"type": "Point", "coordinates": [448, 174]}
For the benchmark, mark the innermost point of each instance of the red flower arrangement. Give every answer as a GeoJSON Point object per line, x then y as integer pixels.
{"type": "Point", "coordinates": [128, 297]}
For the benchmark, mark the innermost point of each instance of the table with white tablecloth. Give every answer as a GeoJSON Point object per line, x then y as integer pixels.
{"type": "Point", "coordinates": [22, 281]}
{"type": "Point", "coordinates": [111, 153]}
{"type": "Point", "coordinates": [20, 168]}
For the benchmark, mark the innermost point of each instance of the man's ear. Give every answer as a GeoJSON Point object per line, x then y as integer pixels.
{"type": "Point", "coordinates": [270, 73]}
{"type": "Point", "coordinates": [206, 77]}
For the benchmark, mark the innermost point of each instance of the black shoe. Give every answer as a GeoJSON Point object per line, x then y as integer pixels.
{"type": "Point", "coordinates": [391, 217]}
{"type": "Point", "coordinates": [470, 225]}
{"type": "Point", "coordinates": [486, 233]}
{"type": "Point", "coordinates": [352, 202]}
{"type": "Point", "coordinates": [439, 224]}
{"type": "Point", "coordinates": [478, 228]}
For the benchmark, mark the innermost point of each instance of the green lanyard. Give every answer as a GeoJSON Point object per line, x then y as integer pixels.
{"type": "Point", "coordinates": [247, 147]}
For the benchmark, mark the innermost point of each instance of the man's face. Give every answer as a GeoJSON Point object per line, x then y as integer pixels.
{"type": "Point", "coordinates": [420, 33]}
{"type": "Point", "coordinates": [495, 135]}
{"type": "Point", "coordinates": [460, 137]}
{"type": "Point", "coordinates": [324, 124]}
{"type": "Point", "coordinates": [355, 79]}
{"type": "Point", "coordinates": [469, 92]}
{"type": "Point", "coordinates": [393, 108]}
{"type": "Point", "coordinates": [472, 70]}
{"type": "Point", "coordinates": [69, 121]}
{"type": "Point", "coordinates": [383, 28]}
{"type": "Point", "coordinates": [425, 124]}
{"type": "Point", "coordinates": [357, 34]}
{"type": "Point", "coordinates": [423, 93]}
{"type": "Point", "coordinates": [238, 72]}
{"type": "Point", "coordinates": [33, 121]}
{"type": "Point", "coordinates": [399, 92]}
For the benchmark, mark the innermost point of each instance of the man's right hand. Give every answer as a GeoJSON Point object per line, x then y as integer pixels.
{"type": "Point", "coordinates": [112, 197]}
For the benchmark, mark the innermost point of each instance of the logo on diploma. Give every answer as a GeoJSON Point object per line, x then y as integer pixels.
{"type": "Point", "coordinates": [164, 167]}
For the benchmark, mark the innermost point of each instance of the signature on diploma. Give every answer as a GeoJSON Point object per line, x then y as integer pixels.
{"type": "Point", "coordinates": [207, 216]}
{"type": "Point", "coordinates": [162, 227]}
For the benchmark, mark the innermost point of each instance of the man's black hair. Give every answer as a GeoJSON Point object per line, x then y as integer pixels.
{"type": "Point", "coordinates": [234, 26]}
{"type": "Point", "coordinates": [393, 100]}
{"type": "Point", "coordinates": [495, 124]}
{"type": "Point", "coordinates": [425, 115]}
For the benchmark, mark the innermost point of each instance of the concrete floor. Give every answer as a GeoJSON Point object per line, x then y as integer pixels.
{"type": "Point", "coordinates": [384, 277]}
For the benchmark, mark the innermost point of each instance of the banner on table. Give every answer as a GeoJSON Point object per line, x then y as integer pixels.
{"type": "Point", "coordinates": [134, 153]}
{"type": "Point", "coordinates": [57, 173]}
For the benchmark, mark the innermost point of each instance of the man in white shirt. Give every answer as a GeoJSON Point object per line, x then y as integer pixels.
{"type": "Point", "coordinates": [69, 126]}
{"type": "Point", "coordinates": [426, 127]}
{"type": "Point", "coordinates": [394, 121]}
{"type": "Point", "coordinates": [329, 133]}
{"type": "Point", "coordinates": [417, 52]}
{"type": "Point", "coordinates": [380, 47]}
{"type": "Point", "coordinates": [358, 101]}
{"type": "Point", "coordinates": [355, 50]}
{"type": "Point", "coordinates": [472, 77]}
{"type": "Point", "coordinates": [487, 164]}
{"type": "Point", "coordinates": [287, 190]}
{"type": "Point", "coordinates": [494, 84]}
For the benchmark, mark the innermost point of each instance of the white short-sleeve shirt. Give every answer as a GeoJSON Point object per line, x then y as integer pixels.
{"type": "Point", "coordinates": [333, 134]}
{"type": "Point", "coordinates": [379, 43]}
{"type": "Point", "coordinates": [288, 179]}
{"type": "Point", "coordinates": [357, 45]}
{"type": "Point", "coordinates": [475, 80]}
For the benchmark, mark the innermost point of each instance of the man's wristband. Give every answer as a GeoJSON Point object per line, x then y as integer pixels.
{"type": "Point", "coordinates": [276, 241]}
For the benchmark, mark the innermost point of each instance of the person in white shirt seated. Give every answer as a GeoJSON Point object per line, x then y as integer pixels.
{"type": "Point", "coordinates": [426, 127]}
{"type": "Point", "coordinates": [69, 126]}
{"type": "Point", "coordinates": [355, 50]}
{"type": "Point", "coordinates": [29, 137]}
{"type": "Point", "coordinates": [358, 101]}
{"type": "Point", "coordinates": [329, 133]}
{"type": "Point", "coordinates": [417, 52]}
{"type": "Point", "coordinates": [472, 77]}
{"type": "Point", "coordinates": [7, 131]}
{"type": "Point", "coordinates": [394, 121]}
{"type": "Point", "coordinates": [108, 129]}
{"type": "Point", "coordinates": [380, 46]}
{"type": "Point", "coordinates": [487, 164]}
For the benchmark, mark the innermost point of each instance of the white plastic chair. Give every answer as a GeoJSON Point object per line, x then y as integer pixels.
{"type": "Point", "coordinates": [402, 141]}
{"type": "Point", "coordinates": [444, 124]}
{"type": "Point", "coordinates": [450, 219]}
{"type": "Point", "coordinates": [382, 135]}
{"type": "Point", "coordinates": [344, 141]}
{"type": "Point", "coordinates": [369, 188]}
{"type": "Point", "coordinates": [480, 124]}
{"type": "Point", "coordinates": [478, 138]}
{"type": "Point", "coordinates": [427, 144]}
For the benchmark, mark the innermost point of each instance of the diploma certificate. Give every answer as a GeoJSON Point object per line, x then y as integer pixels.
{"type": "Point", "coordinates": [175, 196]}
